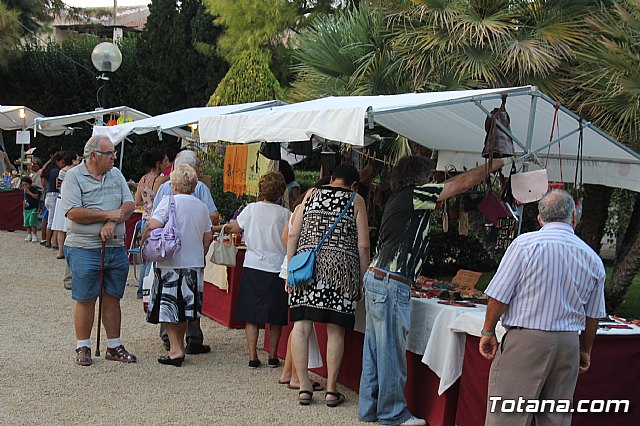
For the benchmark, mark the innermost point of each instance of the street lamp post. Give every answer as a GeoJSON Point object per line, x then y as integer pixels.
{"type": "Point", "coordinates": [106, 58]}
{"type": "Point", "coordinates": [23, 116]}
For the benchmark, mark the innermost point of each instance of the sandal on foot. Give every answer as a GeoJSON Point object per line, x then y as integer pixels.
{"type": "Point", "coordinates": [334, 402]}
{"type": "Point", "coordinates": [283, 382]}
{"type": "Point", "coordinates": [305, 401]}
{"type": "Point", "coordinates": [315, 386]}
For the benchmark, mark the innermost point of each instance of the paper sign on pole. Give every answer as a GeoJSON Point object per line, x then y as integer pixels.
{"type": "Point", "coordinates": [23, 137]}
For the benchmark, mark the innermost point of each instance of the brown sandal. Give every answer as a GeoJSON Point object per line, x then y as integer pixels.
{"type": "Point", "coordinates": [119, 354]}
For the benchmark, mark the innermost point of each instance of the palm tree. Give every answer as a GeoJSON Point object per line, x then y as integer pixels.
{"type": "Point", "coordinates": [347, 54]}
{"type": "Point", "coordinates": [609, 94]}
{"type": "Point", "coordinates": [489, 43]}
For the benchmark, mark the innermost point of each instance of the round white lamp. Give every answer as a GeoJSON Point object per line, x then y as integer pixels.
{"type": "Point", "coordinates": [106, 57]}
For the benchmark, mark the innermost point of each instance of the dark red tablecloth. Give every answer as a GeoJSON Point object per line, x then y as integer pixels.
{"type": "Point", "coordinates": [421, 390]}
{"type": "Point", "coordinates": [614, 374]}
{"type": "Point", "coordinates": [11, 217]}
{"type": "Point", "coordinates": [220, 305]}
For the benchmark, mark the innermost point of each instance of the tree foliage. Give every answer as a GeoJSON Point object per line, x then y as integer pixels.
{"type": "Point", "coordinates": [251, 25]}
{"type": "Point", "coordinates": [347, 54]}
{"type": "Point", "coordinates": [609, 95]}
{"type": "Point", "coordinates": [9, 34]}
{"type": "Point", "coordinates": [177, 65]}
{"type": "Point", "coordinates": [451, 44]}
{"type": "Point", "coordinates": [34, 16]}
{"type": "Point", "coordinates": [248, 80]}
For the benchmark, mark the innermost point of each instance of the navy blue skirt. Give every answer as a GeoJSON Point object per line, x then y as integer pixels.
{"type": "Point", "coordinates": [262, 299]}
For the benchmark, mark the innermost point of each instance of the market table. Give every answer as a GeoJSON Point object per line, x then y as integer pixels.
{"type": "Point", "coordinates": [11, 217]}
{"type": "Point", "coordinates": [220, 305]}
{"type": "Point", "coordinates": [614, 374]}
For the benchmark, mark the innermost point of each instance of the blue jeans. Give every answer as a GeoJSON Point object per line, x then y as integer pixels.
{"type": "Point", "coordinates": [384, 358]}
{"type": "Point", "coordinates": [85, 272]}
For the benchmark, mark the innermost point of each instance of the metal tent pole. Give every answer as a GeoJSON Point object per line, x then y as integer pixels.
{"type": "Point", "coordinates": [123, 140]}
{"type": "Point", "coordinates": [525, 166]}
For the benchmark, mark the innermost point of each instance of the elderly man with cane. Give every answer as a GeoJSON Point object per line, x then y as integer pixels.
{"type": "Point", "coordinates": [97, 202]}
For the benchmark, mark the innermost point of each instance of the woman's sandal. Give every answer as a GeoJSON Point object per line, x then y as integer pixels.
{"type": "Point", "coordinates": [305, 401]}
{"type": "Point", "coordinates": [315, 385]}
{"type": "Point", "coordinates": [334, 402]}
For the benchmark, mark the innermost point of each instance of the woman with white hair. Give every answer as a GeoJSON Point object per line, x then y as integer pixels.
{"type": "Point", "coordinates": [174, 296]}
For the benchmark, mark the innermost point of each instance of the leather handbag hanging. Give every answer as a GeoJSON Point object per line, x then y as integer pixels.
{"type": "Point", "coordinates": [301, 148]}
{"type": "Point", "coordinates": [271, 150]}
{"type": "Point", "coordinates": [493, 208]}
{"type": "Point", "coordinates": [529, 187]}
{"type": "Point", "coordinates": [497, 143]}
{"type": "Point", "coordinates": [223, 252]}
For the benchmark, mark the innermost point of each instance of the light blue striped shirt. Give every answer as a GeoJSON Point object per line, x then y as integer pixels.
{"type": "Point", "coordinates": [550, 279]}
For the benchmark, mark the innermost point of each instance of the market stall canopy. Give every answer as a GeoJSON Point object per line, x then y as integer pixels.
{"type": "Point", "coordinates": [44, 124]}
{"type": "Point", "coordinates": [172, 122]}
{"type": "Point", "coordinates": [451, 123]}
{"type": "Point", "coordinates": [10, 120]}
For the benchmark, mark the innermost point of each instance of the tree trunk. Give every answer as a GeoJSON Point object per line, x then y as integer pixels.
{"type": "Point", "coordinates": [594, 215]}
{"type": "Point", "coordinates": [627, 262]}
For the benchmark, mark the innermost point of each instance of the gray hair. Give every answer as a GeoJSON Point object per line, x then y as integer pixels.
{"type": "Point", "coordinates": [556, 206]}
{"type": "Point", "coordinates": [186, 157]}
{"type": "Point", "coordinates": [92, 145]}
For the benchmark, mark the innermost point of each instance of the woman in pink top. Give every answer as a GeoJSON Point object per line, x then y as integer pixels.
{"type": "Point", "coordinates": [154, 162]}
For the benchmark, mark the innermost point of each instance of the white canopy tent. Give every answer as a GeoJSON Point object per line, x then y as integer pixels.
{"type": "Point", "coordinates": [172, 122]}
{"type": "Point", "coordinates": [10, 120]}
{"type": "Point", "coordinates": [451, 123]}
{"type": "Point", "coordinates": [43, 124]}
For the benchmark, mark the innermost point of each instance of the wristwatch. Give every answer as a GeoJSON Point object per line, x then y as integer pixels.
{"type": "Point", "coordinates": [488, 333]}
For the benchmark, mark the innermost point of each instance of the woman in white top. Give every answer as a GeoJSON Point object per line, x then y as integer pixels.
{"type": "Point", "coordinates": [262, 297]}
{"type": "Point", "coordinates": [174, 295]}
{"type": "Point", "coordinates": [59, 220]}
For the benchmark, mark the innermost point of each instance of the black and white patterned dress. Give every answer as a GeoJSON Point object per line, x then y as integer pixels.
{"type": "Point", "coordinates": [331, 295]}
{"type": "Point", "coordinates": [174, 296]}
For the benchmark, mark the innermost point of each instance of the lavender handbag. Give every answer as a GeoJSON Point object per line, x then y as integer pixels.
{"type": "Point", "coordinates": [163, 243]}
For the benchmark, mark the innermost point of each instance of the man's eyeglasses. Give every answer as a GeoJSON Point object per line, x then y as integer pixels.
{"type": "Point", "coordinates": [108, 153]}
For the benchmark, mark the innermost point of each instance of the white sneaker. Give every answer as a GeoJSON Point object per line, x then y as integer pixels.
{"type": "Point", "coordinates": [414, 421]}
{"type": "Point", "coordinates": [28, 237]}
{"type": "Point", "coordinates": [34, 239]}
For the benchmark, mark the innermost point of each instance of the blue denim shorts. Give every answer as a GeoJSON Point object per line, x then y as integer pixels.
{"type": "Point", "coordinates": [85, 272]}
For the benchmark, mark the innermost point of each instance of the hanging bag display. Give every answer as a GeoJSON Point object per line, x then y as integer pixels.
{"type": "Point", "coordinates": [301, 148]}
{"type": "Point", "coordinates": [223, 252]}
{"type": "Point", "coordinates": [301, 265]}
{"type": "Point", "coordinates": [497, 143]}
{"type": "Point", "coordinates": [271, 150]}
{"type": "Point", "coordinates": [529, 187]}
{"type": "Point", "coordinates": [163, 243]}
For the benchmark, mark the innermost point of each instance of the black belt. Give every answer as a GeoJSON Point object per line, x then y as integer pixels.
{"type": "Point", "coordinates": [381, 273]}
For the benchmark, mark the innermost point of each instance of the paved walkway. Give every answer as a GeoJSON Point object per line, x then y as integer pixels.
{"type": "Point", "coordinates": [40, 383]}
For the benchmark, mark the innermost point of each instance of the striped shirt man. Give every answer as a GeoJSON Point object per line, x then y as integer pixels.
{"type": "Point", "coordinates": [550, 280]}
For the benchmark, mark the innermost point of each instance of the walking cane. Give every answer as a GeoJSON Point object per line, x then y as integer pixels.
{"type": "Point", "coordinates": [100, 301]}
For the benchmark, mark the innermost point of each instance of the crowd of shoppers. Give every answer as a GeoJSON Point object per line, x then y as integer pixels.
{"type": "Point", "coordinates": [90, 202]}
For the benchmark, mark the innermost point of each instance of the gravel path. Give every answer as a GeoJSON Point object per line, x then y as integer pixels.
{"type": "Point", "coordinates": [40, 383]}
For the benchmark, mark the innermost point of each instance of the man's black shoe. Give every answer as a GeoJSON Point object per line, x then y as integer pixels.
{"type": "Point", "coordinates": [197, 349]}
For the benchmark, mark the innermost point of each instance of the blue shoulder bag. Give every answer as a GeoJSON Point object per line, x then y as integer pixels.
{"type": "Point", "coordinates": [302, 264]}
